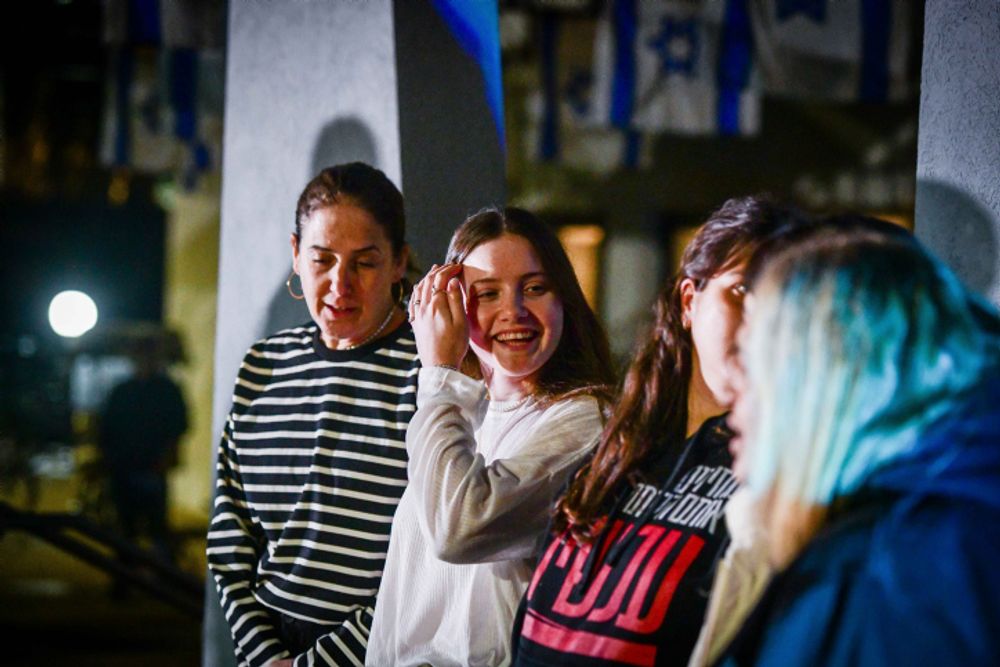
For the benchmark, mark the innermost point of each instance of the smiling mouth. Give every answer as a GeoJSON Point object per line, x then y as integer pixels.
{"type": "Point", "coordinates": [516, 338]}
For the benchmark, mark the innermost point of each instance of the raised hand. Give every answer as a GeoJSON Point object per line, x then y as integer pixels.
{"type": "Point", "coordinates": [437, 311]}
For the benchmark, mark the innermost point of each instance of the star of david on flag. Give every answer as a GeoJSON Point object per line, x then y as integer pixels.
{"type": "Point", "coordinates": [559, 113]}
{"type": "Point", "coordinates": [677, 44]}
{"type": "Point", "coordinates": [676, 66]}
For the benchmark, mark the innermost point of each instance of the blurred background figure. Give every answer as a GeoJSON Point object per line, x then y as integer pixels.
{"type": "Point", "coordinates": [142, 420]}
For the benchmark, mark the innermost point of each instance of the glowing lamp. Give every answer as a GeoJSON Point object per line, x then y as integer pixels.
{"type": "Point", "coordinates": [72, 313]}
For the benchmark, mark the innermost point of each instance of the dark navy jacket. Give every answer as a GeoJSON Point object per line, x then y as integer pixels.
{"type": "Point", "coordinates": [905, 573]}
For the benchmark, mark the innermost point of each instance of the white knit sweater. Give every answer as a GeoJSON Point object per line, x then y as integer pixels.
{"type": "Point", "coordinates": [482, 476]}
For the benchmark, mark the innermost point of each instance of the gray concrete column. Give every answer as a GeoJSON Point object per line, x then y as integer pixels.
{"type": "Point", "coordinates": [634, 270]}
{"type": "Point", "coordinates": [411, 87]}
{"type": "Point", "coordinates": [958, 156]}
{"type": "Point", "coordinates": [633, 275]}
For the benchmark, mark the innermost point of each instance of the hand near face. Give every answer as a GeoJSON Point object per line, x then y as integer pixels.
{"type": "Point", "coordinates": [437, 311]}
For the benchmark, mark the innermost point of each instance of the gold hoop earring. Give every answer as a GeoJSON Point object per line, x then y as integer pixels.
{"type": "Point", "coordinates": [288, 284]}
{"type": "Point", "coordinates": [397, 299]}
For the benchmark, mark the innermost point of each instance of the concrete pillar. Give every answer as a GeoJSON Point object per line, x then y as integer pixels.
{"type": "Point", "coordinates": [412, 87]}
{"type": "Point", "coordinates": [633, 275]}
{"type": "Point", "coordinates": [958, 157]}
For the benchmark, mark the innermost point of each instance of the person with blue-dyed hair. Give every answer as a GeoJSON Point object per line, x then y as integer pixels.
{"type": "Point", "coordinates": [868, 420]}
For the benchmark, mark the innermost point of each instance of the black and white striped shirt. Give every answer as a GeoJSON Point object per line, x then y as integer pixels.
{"type": "Point", "coordinates": [311, 466]}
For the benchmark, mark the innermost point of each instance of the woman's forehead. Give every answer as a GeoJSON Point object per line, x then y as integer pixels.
{"type": "Point", "coordinates": [346, 226]}
{"type": "Point", "coordinates": [506, 255]}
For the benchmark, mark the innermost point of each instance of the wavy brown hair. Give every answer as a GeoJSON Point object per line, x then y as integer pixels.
{"type": "Point", "coordinates": [652, 406]}
{"type": "Point", "coordinates": [581, 363]}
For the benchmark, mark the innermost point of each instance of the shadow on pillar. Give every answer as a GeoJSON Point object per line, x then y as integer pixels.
{"type": "Point", "coordinates": [341, 140]}
{"type": "Point", "coordinates": [960, 231]}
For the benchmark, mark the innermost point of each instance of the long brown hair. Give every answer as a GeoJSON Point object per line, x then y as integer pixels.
{"type": "Point", "coordinates": [581, 362]}
{"type": "Point", "coordinates": [652, 406]}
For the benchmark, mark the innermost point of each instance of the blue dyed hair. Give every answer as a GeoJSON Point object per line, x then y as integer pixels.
{"type": "Point", "coordinates": [856, 341]}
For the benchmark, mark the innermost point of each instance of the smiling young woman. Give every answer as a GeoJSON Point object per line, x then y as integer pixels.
{"type": "Point", "coordinates": [515, 317]}
{"type": "Point", "coordinates": [488, 452]}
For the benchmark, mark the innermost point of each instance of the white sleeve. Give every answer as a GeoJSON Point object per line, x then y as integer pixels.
{"type": "Point", "coordinates": [474, 512]}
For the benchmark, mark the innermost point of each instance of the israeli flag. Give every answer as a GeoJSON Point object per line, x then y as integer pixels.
{"type": "Point", "coordinates": [163, 112]}
{"type": "Point", "coordinates": [834, 50]}
{"type": "Point", "coordinates": [138, 119]}
{"type": "Point", "coordinates": [680, 66]}
{"type": "Point", "coordinates": [558, 112]}
{"type": "Point", "coordinates": [164, 91]}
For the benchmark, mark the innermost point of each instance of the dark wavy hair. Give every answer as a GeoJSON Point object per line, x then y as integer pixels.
{"type": "Point", "coordinates": [581, 362]}
{"type": "Point", "coordinates": [652, 408]}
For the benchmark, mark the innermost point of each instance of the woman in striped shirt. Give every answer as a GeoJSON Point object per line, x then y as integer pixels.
{"type": "Point", "coordinates": [312, 461]}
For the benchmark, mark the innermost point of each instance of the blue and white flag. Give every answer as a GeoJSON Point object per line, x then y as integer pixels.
{"type": "Point", "coordinates": [681, 66]}
{"type": "Point", "coordinates": [163, 111]}
{"type": "Point", "coordinates": [558, 112]}
{"type": "Point", "coordinates": [834, 50]}
{"type": "Point", "coordinates": [164, 89]}
{"type": "Point", "coordinates": [138, 121]}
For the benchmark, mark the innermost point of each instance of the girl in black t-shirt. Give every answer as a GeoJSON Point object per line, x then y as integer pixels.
{"type": "Point", "coordinates": [625, 574]}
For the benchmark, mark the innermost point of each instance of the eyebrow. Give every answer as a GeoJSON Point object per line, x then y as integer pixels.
{"type": "Point", "coordinates": [526, 276]}
{"type": "Point", "coordinates": [369, 248]}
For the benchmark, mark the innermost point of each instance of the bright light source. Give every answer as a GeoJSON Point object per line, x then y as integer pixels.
{"type": "Point", "coordinates": [72, 313]}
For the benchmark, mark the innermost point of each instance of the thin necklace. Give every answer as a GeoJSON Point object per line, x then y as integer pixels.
{"type": "Point", "coordinates": [508, 406]}
{"type": "Point", "coordinates": [375, 334]}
